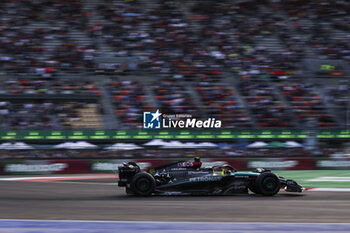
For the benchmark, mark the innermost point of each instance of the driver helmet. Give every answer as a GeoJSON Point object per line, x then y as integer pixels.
{"type": "Point", "coordinates": [197, 159]}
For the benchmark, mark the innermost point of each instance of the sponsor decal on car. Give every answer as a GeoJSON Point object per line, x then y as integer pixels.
{"type": "Point", "coordinates": [240, 176]}
{"type": "Point", "coordinates": [206, 178]}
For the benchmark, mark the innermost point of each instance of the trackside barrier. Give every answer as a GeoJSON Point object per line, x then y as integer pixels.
{"type": "Point", "coordinates": [32, 167]}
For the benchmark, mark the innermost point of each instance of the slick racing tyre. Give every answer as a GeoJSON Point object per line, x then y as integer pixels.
{"type": "Point", "coordinates": [129, 191]}
{"type": "Point", "coordinates": [268, 184]}
{"type": "Point", "coordinates": [254, 189]}
{"type": "Point", "coordinates": [143, 184]}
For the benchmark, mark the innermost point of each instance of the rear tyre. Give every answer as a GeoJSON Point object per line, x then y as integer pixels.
{"type": "Point", "coordinates": [129, 191]}
{"type": "Point", "coordinates": [143, 184]}
{"type": "Point", "coordinates": [268, 184]}
{"type": "Point", "coordinates": [254, 189]}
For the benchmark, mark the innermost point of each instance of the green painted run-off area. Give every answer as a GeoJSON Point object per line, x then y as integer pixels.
{"type": "Point", "coordinates": [318, 178]}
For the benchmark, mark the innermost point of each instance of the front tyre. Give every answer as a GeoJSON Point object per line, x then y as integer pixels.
{"type": "Point", "coordinates": [268, 184]}
{"type": "Point", "coordinates": [143, 184]}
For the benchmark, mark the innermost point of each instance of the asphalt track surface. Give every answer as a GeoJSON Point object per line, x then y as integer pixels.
{"type": "Point", "coordinates": [101, 200]}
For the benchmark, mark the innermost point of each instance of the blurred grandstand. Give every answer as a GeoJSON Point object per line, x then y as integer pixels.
{"type": "Point", "coordinates": [98, 64]}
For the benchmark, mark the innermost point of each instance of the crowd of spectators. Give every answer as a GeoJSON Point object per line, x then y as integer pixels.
{"type": "Point", "coordinates": [264, 104]}
{"type": "Point", "coordinates": [236, 44]}
{"type": "Point", "coordinates": [322, 23]}
{"type": "Point", "coordinates": [43, 86]}
{"type": "Point", "coordinates": [169, 36]}
{"type": "Point", "coordinates": [122, 27]}
{"type": "Point", "coordinates": [338, 94]}
{"type": "Point", "coordinates": [28, 115]}
{"type": "Point", "coordinates": [129, 101]}
{"type": "Point", "coordinates": [44, 114]}
{"type": "Point", "coordinates": [26, 27]}
{"type": "Point", "coordinates": [220, 102]}
{"type": "Point", "coordinates": [162, 153]}
{"type": "Point", "coordinates": [161, 37]}
{"type": "Point", "coordinates": [307, 104]}
{"type": "Point", "coordinates": [173, 98]}
{"type": "Point", "coordinates": [176, 49]}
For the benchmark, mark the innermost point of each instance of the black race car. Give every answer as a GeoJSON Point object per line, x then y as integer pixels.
{"type": "Point", "coordinates": [188, 178]}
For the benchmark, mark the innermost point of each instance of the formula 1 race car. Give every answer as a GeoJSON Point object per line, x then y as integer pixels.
{"type": "Point", "coordinates": [188, 178]}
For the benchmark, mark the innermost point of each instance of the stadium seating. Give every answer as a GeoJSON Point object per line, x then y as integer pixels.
{"type": "Point", "coordinates": [80, 116]}
{"type": "Point", "coordinates": [235, 61]}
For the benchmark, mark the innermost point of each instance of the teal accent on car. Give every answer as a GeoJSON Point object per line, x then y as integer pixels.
{"type": "Point", "coordinates": [245, 174]}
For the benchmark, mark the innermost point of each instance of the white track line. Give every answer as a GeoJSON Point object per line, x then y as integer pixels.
{"type": "Point", "coordinates": [53, 178]}
{"type": "Point", "coordinates": [76, 182]}
{"type": "Point", "coordinates": [96, 183]}
{"type": "Point", "coordinates": [330, 179]}
{"type": "Point", "coordinates": [38, 177]}
{"type": "Point", "coordinates": [329, 190]}
{"type": "Point", "coordinates": [111, 221]}
{"type": "Point", "coordinates": [65, 180]}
